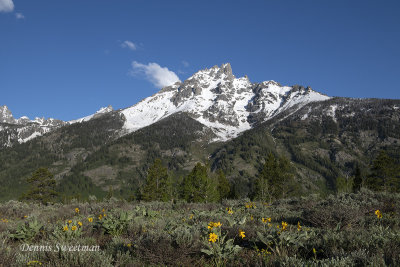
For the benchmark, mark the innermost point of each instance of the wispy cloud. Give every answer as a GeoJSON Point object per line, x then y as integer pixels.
{"type": "Point", "coordinates": [19, 16]}
{"type": "Point", "coordinates": [6, 5]}
{"type": "Point", "coordinates": [128, 44]}
{"type": "Point", "coordinates": [154, 73]}
{"type": "Point", "coordinates": [185, 63]}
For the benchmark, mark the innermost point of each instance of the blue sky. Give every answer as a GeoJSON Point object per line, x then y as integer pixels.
{"type": "Point", "coordinates": [66, 59]}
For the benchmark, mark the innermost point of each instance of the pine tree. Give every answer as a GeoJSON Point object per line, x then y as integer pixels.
{"type": "Point", "coordinates": [42, 187]}
{"type": "Point", "coordinates": [384, 173]}
{"type": "Point", "coordinates": [357, 182]}
{"type": "Point", "coordinates": [224, 187]}
{"type": "Point", "coordinates": [199, 187]}
{"type": "Point", "coordinates": [273, 178]}
{"type": "Point", "coordinates": [158, 185]}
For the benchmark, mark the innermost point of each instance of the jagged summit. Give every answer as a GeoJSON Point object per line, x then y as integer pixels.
{"type": "Point", "coordinates": [23, 129]}
{"type": "Point", "coordinates": [6, 115]}
{"type": "Point", "coordinates": [222, 102]}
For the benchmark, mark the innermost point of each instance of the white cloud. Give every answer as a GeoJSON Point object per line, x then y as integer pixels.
{"type": "Point", "coordinates": [19, 15]}
{"type": "Point", "coordinates": [6, 5]}
{"type": "Point", "coordinates": [185, 63]}
{"type": "Point", "coordinates": [127, 44]}
{"type": "Point", "coordinates": [157, 75]}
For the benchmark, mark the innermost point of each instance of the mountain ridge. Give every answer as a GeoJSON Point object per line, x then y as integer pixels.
{"type": "Point", "coordinates": [214, 97]}
{"type": "Point", "coordinates": [217, 99]}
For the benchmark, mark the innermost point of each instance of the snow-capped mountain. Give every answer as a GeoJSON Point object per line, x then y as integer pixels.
{"type": "Point", "coordinates": [23, 129]}
{"type": "Point", "coordinates": [214, 97]}
{"type": "Point", "coordinates": [217, 99]}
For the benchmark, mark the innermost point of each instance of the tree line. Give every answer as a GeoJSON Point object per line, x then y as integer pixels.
{"type": "Point", "coordinates": [273, 181]}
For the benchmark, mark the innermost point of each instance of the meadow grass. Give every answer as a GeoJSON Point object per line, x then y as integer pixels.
{"type": "Point", "coordinates": [340, 230]}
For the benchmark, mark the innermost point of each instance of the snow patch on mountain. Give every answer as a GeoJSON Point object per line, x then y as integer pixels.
{"type": "Point", "coordinates": [332, 112]}
{"type": "Point", "coordinates": [217, 99]}
{"type": "Point", "coordinates": [148, 111]}
{"type": "Point", "coordinates": [33, 135]}
{"type": "Point", "coordinates": [101, 111]}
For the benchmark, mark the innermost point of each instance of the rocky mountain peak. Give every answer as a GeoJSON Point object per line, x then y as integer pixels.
{"type": "Point", "coordinates": [224, 72]}
{"type": "Point", "coordinates": [23, 129]}
{"type": "Point", "coordinates": [6, 115]}
{"type": "Point", "coordinates": [226, 69]}
{"type": "Point", "coordinates": [217, 99]}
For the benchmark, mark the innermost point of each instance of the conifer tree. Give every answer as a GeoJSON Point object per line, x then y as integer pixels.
{"type": "Point", "coordinates": [357, 182]}
{"type": "Point", "coordinates": [158, 185]}
{"type": "Point", "coordinates": [224, 187]}
{"type": "Point", "coordinates": [273, 178]}
{"type": "Point", "coordinates": [199, 187]}
{"type": "Point", "coordinates": [384, 173]}
{"type": "Point", "coordinates": [42, 187]}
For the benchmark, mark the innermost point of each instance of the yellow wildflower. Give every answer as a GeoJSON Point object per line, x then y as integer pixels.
{"type": "Point", "coordinates": [129, 245]}
{"type": "Point", "coordinates": [284, 225]}
{"type": "Point", "coordinates": [69, 221]}
{"type": "Point", "coordinates": [230, 211]}
{"type": "Point", "coordinates": [80, 223]}
{"type": "Point", "coordinates": [90, 219]}
{"type": "Point", "coordinates": [77, 210]}
{"type": "Point", "coordinates": [211, 225]}
{"type": "Point", "coordinates": [266, 220]}
{"type": "Point", "coordinates": [378, 214]}
{"type": "Point", "coordinates": [34, 263]}
{"type": "Point", "coordinates": [250, 205]}
{"type": "Point", "coordinates": [298, 226]}
{"type": "Point", "coordinates": [213, 237]}
{"type": "Point", "coordinates": [65, 228]}
{"type": "Point", "coordinates": [263, 252]}
{"type": "Point", "coordinates": [73, 228]}
{"type": "Point", "coordinates": [241, 234]}
{"type": "Point", "coordinates": [100, 217]}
